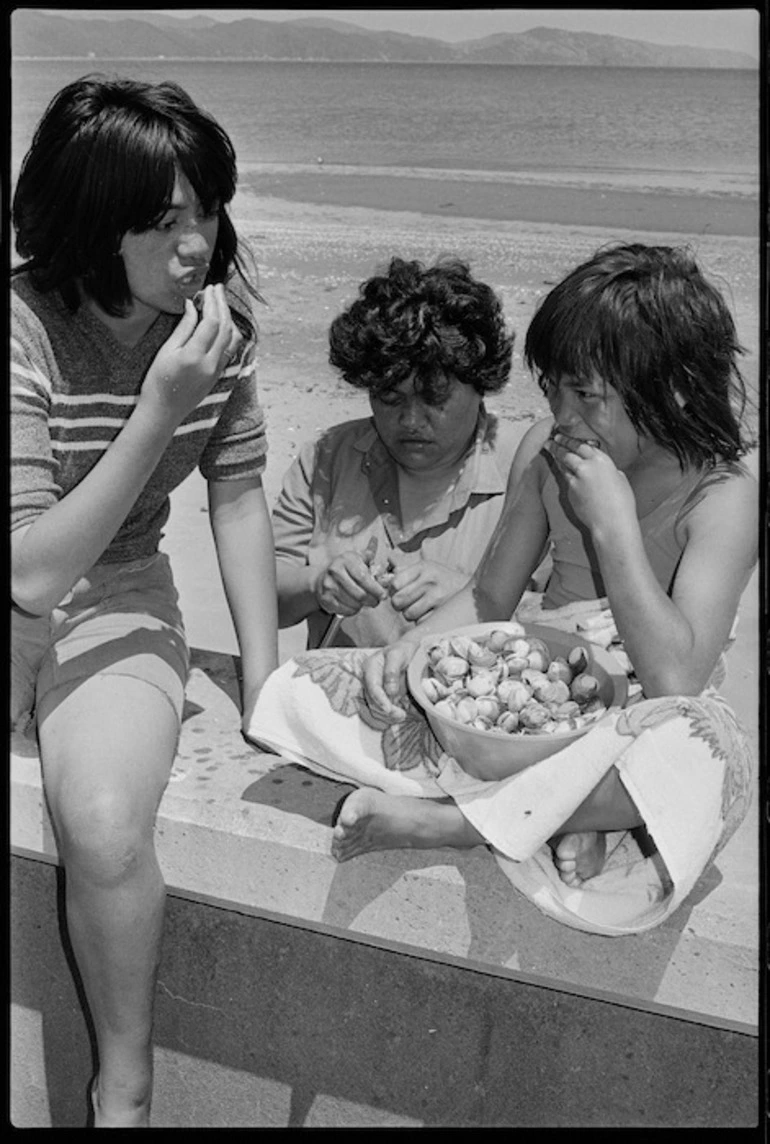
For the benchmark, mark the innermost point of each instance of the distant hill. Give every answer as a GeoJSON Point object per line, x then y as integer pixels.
{"type": "Point", "coordinates": [36, 33]}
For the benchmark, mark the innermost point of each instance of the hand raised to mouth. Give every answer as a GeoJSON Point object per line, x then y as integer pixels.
{"type": "Point", "coordinates": [569, 441]}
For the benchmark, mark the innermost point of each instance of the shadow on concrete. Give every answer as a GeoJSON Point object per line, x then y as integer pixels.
{"type": "Point", "coordinates": [499, 927]}
{"type": "Point", "coordinates": [47, 981]}
{"type": "Point", "coordinates": [223, 670]}
{"type": "Point", "coordinates": [296, 790]}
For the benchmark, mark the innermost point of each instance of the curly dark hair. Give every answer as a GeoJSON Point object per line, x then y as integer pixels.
{"type": "Point", "coordinates": [435, 323]}
{"type": "Point", "coordinates": [647, 321]}
{"type": "Point", "coordinates": [102, 163]}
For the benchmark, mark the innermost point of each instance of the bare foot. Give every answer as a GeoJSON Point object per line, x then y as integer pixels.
{"type": "Point", "coordinates": [120, 1111]}
{"type": "Point", "coordinates": [372, 820]}
{"type": "Point", "coordinates": [579, 857]}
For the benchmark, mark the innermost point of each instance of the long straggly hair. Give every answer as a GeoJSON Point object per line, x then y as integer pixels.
{"type": "Point", "coordinates": [646, 320]}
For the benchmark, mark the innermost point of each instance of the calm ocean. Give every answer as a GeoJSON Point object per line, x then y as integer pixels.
{"type": "Point", "coordinates": [690, 130]}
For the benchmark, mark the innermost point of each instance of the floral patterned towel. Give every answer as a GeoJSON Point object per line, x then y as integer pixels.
{"type": "Point", "coordinates": [685, 762]}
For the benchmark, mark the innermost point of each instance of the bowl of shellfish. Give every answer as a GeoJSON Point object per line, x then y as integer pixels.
{"type": "Point", "coordinates": [501, 696]}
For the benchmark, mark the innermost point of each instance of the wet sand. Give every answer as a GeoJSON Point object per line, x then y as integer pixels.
{"type": "Point", "coordinates": [610, 204]}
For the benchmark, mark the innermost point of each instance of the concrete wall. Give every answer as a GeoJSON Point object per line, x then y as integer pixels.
{"type": "Point", "coordinates": [261, 1023]}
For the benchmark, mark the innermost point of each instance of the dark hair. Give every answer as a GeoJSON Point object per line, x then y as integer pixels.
{"type": "Point", "coordinates": [436, 323]}
{"type": "Point", "coordinates": [102, 163]}
{"type": "Point", "coordinates": [645, 320]}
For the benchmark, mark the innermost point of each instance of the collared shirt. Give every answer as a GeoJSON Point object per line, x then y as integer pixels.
{"type": "Point", "coordinates": [342, 490]}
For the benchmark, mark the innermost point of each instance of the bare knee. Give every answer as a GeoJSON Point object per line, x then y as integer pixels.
{"type": "Point", "coordinates": [102, 840]}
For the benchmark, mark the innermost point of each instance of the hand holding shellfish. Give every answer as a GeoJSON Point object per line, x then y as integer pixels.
{"type": "Point", "coordinates": [385, 680]}
{"type": "Point", "coordinates": [419, 586]}
{"type": "Point", "coordinates": [349, 583]}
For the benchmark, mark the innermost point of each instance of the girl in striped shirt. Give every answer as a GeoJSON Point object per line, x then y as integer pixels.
{"type": "Point", "coordinates": [120, 387]}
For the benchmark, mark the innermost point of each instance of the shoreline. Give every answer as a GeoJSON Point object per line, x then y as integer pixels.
{"type": "Point", "coordinates": [604, 206]}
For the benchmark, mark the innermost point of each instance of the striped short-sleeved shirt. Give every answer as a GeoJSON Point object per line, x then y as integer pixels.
{"type": "Point", "coordinates": [74, 386]}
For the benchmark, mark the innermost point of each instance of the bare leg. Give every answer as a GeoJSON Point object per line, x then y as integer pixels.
{"type": "Point", "coordinates": [372, 820]}
{"type": "Point", "coordinates": [107, 750]}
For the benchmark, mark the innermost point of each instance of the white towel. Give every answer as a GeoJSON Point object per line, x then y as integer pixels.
{"type": "Point", "coordinates": [685, 762]}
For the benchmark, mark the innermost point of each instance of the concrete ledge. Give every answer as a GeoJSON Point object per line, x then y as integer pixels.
{"type": "Point", "coordinates": [243, 840]}
{"type": "Point", "coordinates": [264, 1024]}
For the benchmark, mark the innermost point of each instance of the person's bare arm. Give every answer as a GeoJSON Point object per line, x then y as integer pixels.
{"type": "Point", "coordinates": [674, 641]}
{"type": "Point", "coordinates": [673, 638]}
{"type": "Point", "coordinates": [240, 523]}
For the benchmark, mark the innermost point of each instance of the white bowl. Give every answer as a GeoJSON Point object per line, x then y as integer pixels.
{"type": "Point", "coordinates": [495, 755]}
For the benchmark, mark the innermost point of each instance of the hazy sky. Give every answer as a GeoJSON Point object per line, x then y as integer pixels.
{"type": "Point", "coordinates": [736, 28]}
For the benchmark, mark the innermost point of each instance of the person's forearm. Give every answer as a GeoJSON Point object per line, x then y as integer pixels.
{"type": "Point", "coordinates": [244, 543]}
{"type": "Point", "coordinates": [656, 636]}
{"type": "Point", "coordinates": [296, 592]}
{"type": "Point", "coordinates": [52, 553]}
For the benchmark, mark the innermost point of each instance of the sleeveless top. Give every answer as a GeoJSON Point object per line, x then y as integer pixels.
{"type": "Point", "coordinates": [576, 574]}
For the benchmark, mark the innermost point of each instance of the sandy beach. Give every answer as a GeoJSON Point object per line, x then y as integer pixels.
{"type": "Point", "coordinates": [311, 259]}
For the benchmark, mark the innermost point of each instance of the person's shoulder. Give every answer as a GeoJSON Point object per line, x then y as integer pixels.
{"type": "Point", "coordinates": [32, 311]}
{"type": "Point", "coordinates": [240, 297]}
{"type": "Point", "coordinates": [341, 438]}
{"type": "Point", "coordinates": [351, 429]}
{"type": "Point", "coordinates": [358, 432]}
{"type": "Point", "coordinates": [725, 497]}
{"type": "Point", "coordinates": [23, 293]}
{"type": "Point", "coordinates": [727, 480]}
{"type": "Point", "coordinates": [532, 441]}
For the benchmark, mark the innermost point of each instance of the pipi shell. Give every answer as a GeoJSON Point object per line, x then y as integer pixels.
{"type": "Point", "coordinates": [465, 710]}
{"type": "Point", "coordinates": [584, 687]}
{"type": "Point", "coordinates": [508, 722]}
{"type": "Point", "coordinates": [477, 685]}
{"type": "Point", "coordinates": [533, 716]}
{"type": "Point", "coordinates": [559, 669]}
{"type": "Point", "coordinates": [519, 696]}
{"type": "Point", "coordinates": [461, 645]}
{"type": "Point", "coordinates": [488, 708]}
{"type": "Point", "coordinates": [446, 708]}
{"type": "Point", "coordinates": [578, 659]}
{"type": "Point", "coordinates": [452, 667]}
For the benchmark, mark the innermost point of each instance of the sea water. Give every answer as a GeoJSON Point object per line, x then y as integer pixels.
{"type": "Point", "coordinates": [690, 129]}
